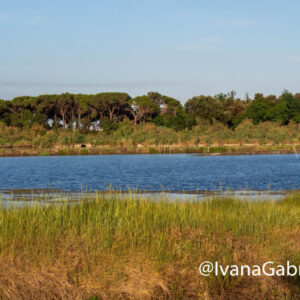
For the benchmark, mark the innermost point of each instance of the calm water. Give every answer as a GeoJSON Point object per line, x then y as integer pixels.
{"type": "Point", "coordinates": [152, 172]}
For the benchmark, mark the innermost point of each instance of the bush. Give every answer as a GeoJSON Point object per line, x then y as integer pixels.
{"type": "Point", "coordinates": [153, 151]}
{"type": "Point", "coordinates": [61, 152]}
{"type": "Point", "coordinates": [84, 152]}
{"type": "Point", "coordinates": [218, 149]}
{"type": "Point", "coordinates": [44, 153]}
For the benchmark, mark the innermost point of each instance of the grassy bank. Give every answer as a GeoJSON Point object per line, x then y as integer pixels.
{"type": "Point", "coordinates": [151, 149]}
{"type": "Point", "coordinates": [138, 249]}
{"type": "Point", "coordinates": [204, 138]}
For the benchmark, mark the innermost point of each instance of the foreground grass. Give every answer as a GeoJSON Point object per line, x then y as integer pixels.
{"type": "Point", "coordinates": [117, 248]}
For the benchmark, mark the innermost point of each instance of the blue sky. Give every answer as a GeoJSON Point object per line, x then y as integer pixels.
{"type": "Point", "coordinates": [179, 48]}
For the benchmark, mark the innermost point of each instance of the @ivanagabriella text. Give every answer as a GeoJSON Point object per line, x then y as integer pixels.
{"type": "Point", "coordinates": [268, 268]}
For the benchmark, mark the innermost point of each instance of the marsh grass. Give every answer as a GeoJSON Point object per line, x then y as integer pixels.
{"type": "Point", "coordinates": [135, 248]}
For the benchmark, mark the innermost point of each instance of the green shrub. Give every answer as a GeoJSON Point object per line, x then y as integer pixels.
{"type": "Point", "coordinates": [153, 151]}
{"type": "Point", "coordinates": [44, 153]}
{"type": "Point", "coordinates": [218, 149]}
{"type": "Point", "coordinates": [78, 138]}
{"type": "Point", "coordinates": [61, 152]}
{"type": "Point", "coordinates": [84, 152]}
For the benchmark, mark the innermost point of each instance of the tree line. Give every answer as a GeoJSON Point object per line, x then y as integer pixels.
{"type": "Point", "coordinates": [106, 110]}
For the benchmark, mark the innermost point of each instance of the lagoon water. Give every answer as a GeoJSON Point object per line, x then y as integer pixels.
{"type": "Point", "coordinates": [175, 172]}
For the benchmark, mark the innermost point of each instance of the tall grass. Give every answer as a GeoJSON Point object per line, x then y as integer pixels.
{"type": "Point", "coordinates": [127, 135]}
{"type": "Point", "coordinates": [136, 248]}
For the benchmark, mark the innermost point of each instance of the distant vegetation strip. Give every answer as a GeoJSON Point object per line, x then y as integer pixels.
{"type": "Point", "coordinates": [108, 123]}
{"type": "Point", "coordinates": [106, 110]}
{"type": "Point", "coordinates": [205, 138]}
{"type": "Point", "coordinates": [125, 248]}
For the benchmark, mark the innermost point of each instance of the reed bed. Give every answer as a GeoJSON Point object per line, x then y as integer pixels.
{"type": "Point", "coordinates": [125, 247]}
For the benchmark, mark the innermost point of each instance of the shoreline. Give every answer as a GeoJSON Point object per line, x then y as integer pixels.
{"type": "Point", "coordinates": [51, 196]}
{"type": "Point", "coordinates": [47, 191]}
{"type": "Point", "coordinates": [9, 151]}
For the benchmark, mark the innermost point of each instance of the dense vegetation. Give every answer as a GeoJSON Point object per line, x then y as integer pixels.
{"type": "Point", "coordinates": [141, 249]}
{"type": "Point", "coordinates": [127, 135]}
{"type": "Point", "coordinates": [106, 111]}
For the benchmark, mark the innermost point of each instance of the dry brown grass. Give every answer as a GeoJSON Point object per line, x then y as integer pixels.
{"type": "Point", "coordinates": [133, 278]}
{"type": "Point", "coordinates": [145, 250]}
{"type": "Point", "coordinates": [24, 280]}
{"type": "Point", "coordinates": [20, 280]}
